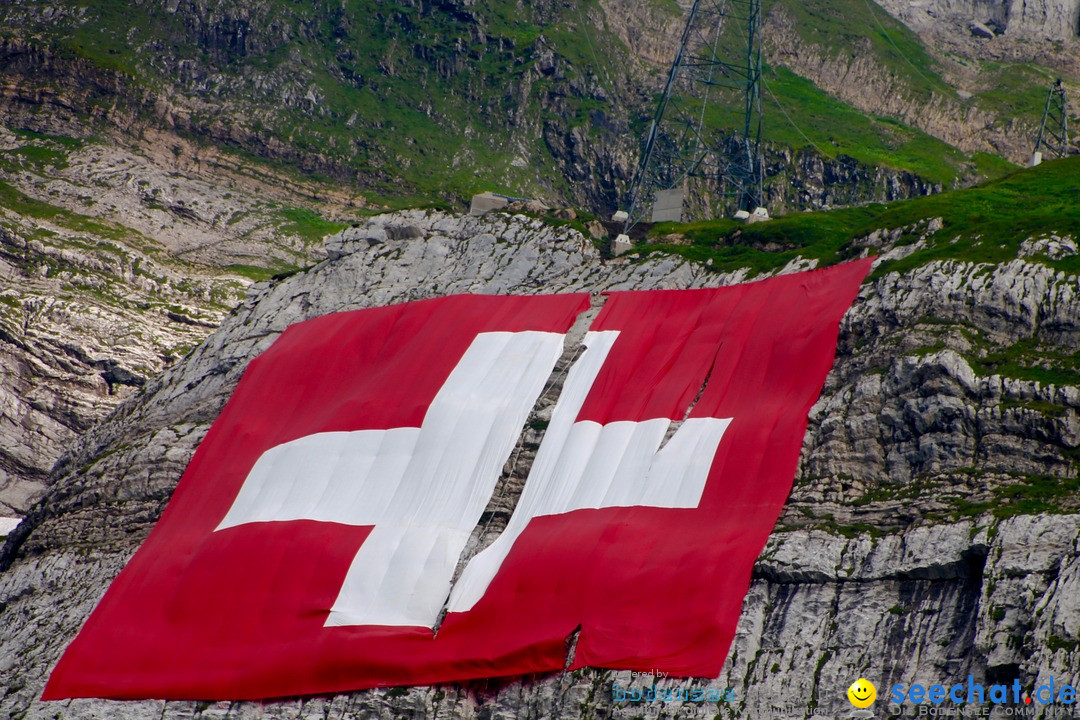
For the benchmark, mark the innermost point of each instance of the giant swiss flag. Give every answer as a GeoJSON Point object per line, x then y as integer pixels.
{"type": "Point", "coordinates": [313, 544]}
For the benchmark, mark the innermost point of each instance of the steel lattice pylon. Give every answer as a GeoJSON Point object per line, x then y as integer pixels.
{"type": "Point", "coordinates": [1053, 139]}
{"type": "Point", "coordinates": [720, 47]}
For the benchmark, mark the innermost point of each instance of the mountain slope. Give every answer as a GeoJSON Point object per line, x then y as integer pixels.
{"type": "Point", "coordinates": [442, 100]}
{"type": "Point", "coordinates": [156, 157]}
{"type": "Point", "coordinates": [931, 532]}
{"type": "Point", "coordinates": [162, 161]}
{"type": "Point", "coordinates": [1031, 213]}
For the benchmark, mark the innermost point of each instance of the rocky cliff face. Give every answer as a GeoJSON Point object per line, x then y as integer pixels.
{"type": "Point", "coordinates": [1055, 20]}
{"type": "Point", "coordinates": [806, 180]}
{"type": "Point", "coordinates": [1011, 31]}
{"type": "Point", "coordinates": [860, 79]}
{"type": "Point", "coordinates": [114, 263]}
{"type": "Point", "coordinates": [932, 531]}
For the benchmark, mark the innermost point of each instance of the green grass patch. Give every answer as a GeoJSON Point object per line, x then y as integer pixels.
{"type": "Point", "coordinates": [1038, 406]}
{"type": "Point", "coordinates": [255, 273]}
{"type": "Point", "coordinates": [987, 223]}
{"type": "Point", "coordinates": [34, 156]}
{"type": "Point", "coordinates": [848, 530]}
{"type": "Point", "coordinates": [308, 225]}
{"type": "Point", "coordinates": [16, 201]}
{"type": "Point", "coordinates": [860, 26]}
{"type": "Point", "coordinates": [763, 247]}
{"type": "Point", "coordinates": [982, 224]}
{"type": "Point", "coordinates": [64, 141]}
{"type": "Point", "coordinates": [1026, 360]}
{"type": "Point", "coordinates": [1031, 495]}
{"type": "Point", "coordinates": [836, 128]}
{"type": "Point", "coordinates": [1014, 90]}
{"type": "Point", "coordinates": [1056, 642]}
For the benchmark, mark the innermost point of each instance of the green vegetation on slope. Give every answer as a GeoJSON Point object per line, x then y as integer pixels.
{"type": "Point", "coordinates": [1027, 360]}
{"type": "Point", "coordinates": [433, 102]}
{"type": "Point", "coordinates": [834, 128]}
{"type": "Point", "coordinates": [1026, 495]}
{"type": "Point", "coordinates": [1014, 91]}
{"type": "Point", "coordinates": [860, 26]}
{"type": "Point", "coordinates": [23, 205]}
{"type": "Point", "coordinates": [800, 114]}
{"type": "Point", "coordinates": [308, 225]}
{"type": "Point", "coordinates": [985, 223]}
{"type": "Point", "coordinates": [415, 99]}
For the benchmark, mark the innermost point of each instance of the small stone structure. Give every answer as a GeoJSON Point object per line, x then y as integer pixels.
{"type": "Point", "coordinates": [760, 214]}
{"type": "Point", "coordinates": [668, 205]}
{"type": "Point", "coordinates": [621, 245]}
{"type": "Point", "coordinates": [485, 202]}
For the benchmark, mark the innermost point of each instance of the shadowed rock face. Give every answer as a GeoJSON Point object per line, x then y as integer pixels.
{"type": "Point", "coordinates": [887, 563]}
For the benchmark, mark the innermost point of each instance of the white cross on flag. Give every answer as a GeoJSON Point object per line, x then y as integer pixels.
{"type": "Point", "coordinates": [312, 544]}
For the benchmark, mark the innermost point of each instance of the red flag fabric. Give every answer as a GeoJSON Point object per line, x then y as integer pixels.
{"type": "Point", "coordinates": [311, 545]}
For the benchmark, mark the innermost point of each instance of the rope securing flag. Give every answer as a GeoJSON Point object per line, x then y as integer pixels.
{"type": "Point", "coordinates": [311, 544]}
